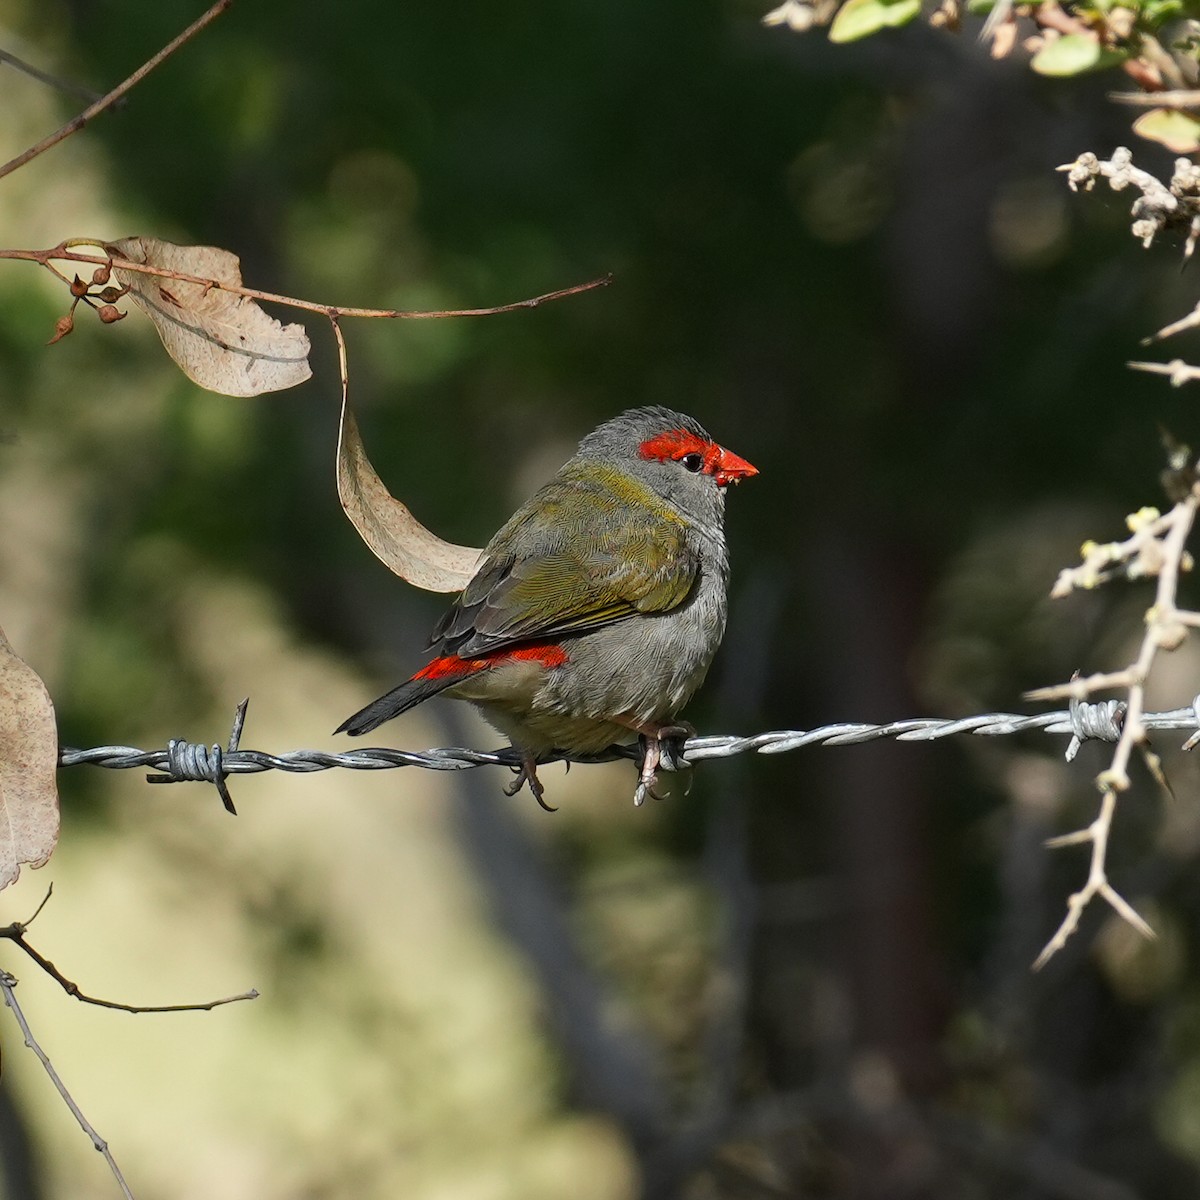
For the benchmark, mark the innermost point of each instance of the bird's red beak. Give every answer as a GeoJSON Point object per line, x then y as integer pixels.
{"type": "Point", "coordinates": [730, 468]}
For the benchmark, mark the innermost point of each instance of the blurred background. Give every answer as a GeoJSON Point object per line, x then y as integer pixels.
{"type": "Point", "coordinates": [811, 976]}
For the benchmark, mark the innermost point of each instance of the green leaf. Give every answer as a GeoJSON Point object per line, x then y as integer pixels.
{"type": "Point", "coordinates": [1073, 54]}
{"type": "Point", "coordinates": [1178, 131]}
{"type": "Point", "coordinates": [861, 18]}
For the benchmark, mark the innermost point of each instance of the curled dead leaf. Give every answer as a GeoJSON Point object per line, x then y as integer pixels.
{"type": "Point", "coordinates": [391, 532]}
{"type": "Point", "coordinates": [28, 767]}
{"type": "Point", "coordinates": [222, 341]}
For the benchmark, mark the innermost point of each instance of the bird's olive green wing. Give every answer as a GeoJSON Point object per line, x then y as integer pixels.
{"type": "Point", "coordinates": [633, 559]}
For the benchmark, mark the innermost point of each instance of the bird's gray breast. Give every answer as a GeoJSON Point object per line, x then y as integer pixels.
{"type": "Point", "coordinates": [648, 666]}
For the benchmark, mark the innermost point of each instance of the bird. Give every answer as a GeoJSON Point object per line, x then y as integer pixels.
{"type": "Point", "coordinates": [597, 609]}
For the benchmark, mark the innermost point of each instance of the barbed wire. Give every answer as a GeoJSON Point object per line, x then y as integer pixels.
{"type": "Point", "coordinates": [184, 761]}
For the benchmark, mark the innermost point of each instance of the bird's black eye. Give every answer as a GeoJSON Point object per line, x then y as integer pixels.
{"type": "Point", "coordinates": [692, 462]}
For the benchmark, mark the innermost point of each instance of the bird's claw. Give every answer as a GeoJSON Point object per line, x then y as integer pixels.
{"type": "Point", "coordinates": [527, 774]}
{"type": "Point", "coordinates": [648, 786]}
{"type": "Point", "coordinates": [662, 750]}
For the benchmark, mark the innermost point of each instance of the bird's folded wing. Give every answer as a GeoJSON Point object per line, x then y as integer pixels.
{"type": "Point", "coordinates": [641, 567]}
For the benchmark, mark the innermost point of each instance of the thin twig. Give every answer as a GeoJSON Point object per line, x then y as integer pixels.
{"type": "Point", "coordinates": [1189, 322]}
{"type": "Point", "coordinates": [7, 984]}
{"type": "Point", "coordinates": [63, 252]}
{"type": "Point", "coordinates": [1174, 99]}
{"type": "Point", "coordinates": [37, 911]}
{"type": "Point", "coordinates": [1158, 206]}
{"type": "Point", "coordinates": [1097, 881]}
{"type": "Point", "coordinates": [1177, 371]}
{"type": "Point", "coordinates": [1083, 687]}
{"type": "Point", "coordinates": [41, 76]}
{"type": "Point", "coordinates": [1139, 556]}
{"type": "Point", "coordinates": [15, 934]}
{"type": "Point", "coordinates": [94, 110]}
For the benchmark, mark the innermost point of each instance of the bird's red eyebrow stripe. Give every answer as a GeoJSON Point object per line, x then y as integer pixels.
{"type": "Point", "coordinates": [547, 654]}
{"type": "Point", "coordinates": [675, 444]}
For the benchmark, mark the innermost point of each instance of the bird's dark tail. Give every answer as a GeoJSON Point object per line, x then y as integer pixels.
{"type": "Point", "coordinates": [400, 699]}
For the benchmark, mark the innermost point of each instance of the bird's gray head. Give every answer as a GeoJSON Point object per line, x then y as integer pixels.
{"type": "Point", "coordinates": [671, 453]}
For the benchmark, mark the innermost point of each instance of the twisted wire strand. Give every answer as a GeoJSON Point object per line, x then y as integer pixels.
{"type": "Point", "coordinates": [182, 761]}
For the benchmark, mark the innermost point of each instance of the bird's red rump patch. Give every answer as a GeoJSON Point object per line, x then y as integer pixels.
{"type": "Point", "coordinates": [548, 654]}
{"type": "Point", "coordinates": [723, 465]}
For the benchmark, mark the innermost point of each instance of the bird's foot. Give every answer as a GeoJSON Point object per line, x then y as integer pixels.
{"type": "Point", "coordinates": [673, 737]}
{"type": "Point", "coordinates": [662, 749]}
{"type": "Point", "coordinates": [527, 774]}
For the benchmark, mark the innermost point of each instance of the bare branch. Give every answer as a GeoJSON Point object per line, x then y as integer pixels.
{"type": "Point", "coordinates": [105, 102]}
{"type": "Point", "coordinates": [1175, 99]}
{"type": "Point", "coordinates": [1159, 206]}
{"type": "Point", "coordinates": [1097, 882]}
{"type": "Point", "coordinates": [1177, 371]}
{"type": "Point", "coordinates": [37, 911]}
{"type": "Point", "coordinates": [7, 984]}
{"type": "Point", "coordinates": [65, 252]}
{"type": "Point", "coordinates": [1184, 323]}
{"type": "Point", "coordinates": [1139, 556]}
{"type": "Point", "coordinates": [1081, 689]}
{"type": "Point", "coordinates": [1157, 545]}
{"type": "Point", "coordinates": [15, 933]}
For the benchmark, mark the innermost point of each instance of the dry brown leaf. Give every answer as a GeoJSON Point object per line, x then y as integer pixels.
{"type": "Point", "coordinates": [28, 767]}
{"type": "Point", "coordinates": [393, 534]}
{"type": "Point", "coordinates": [222, 341]}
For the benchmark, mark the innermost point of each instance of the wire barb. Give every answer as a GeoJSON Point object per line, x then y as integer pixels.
{"type": "Point", "coordinates": [191, 762]}
{"type": "Point", "coordinates": [1100, 721]}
